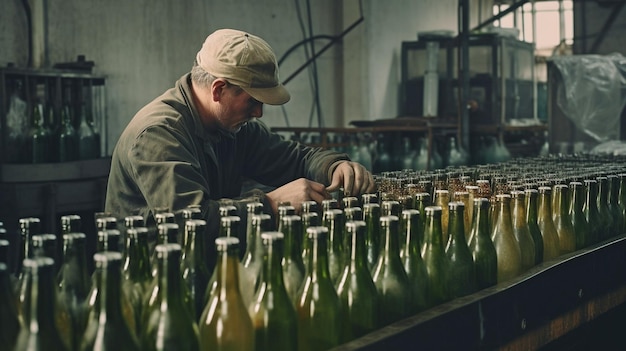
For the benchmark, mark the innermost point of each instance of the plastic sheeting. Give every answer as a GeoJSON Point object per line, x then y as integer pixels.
{"type": "Point", "coordinates": [593, 93]}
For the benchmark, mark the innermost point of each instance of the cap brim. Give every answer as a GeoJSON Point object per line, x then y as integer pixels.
{"type": "Point", "coordinates": [277, 95]}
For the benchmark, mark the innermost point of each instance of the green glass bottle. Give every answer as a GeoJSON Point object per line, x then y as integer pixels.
{"type": "Point", "coordinates": [613, 202]}
{"type": "Point", "coordinates": [167, 233]}
{"type": "Point", "coordinates": [349, 202]}
{"type": "Point", "coordinates": [461, 272]}
{"type": "Point", "coordinates": [195, 273]}
{"type": "Point", "coordinates": [227, 210]}
{"type": "Point", "coordinates": [355, 288]}
{"type": "Point", "coordinates": [40, 328]}
{"type": "Point", "coordinates": [319, 309]}
{"type": "Point", "coordinates": [309, 206]}
{"type": "Point", "coordinates": [272, 312]}
{"type": "Point", "coordinates": [562, 219]}
{"type": "Point", "coordinates": [29, 226]}
{"type": "Point", "coordinates": [551, 246]}
{"type": "Point", "coordinates": [371, 216]}
{"type": "Point", "coordinates": [309, 219]}
{"type": "Point", "coordinates": [422, 200]}
{"type": "Point", "coordinates": [481, 246]}
{"type": "Point", "coordinates": [250, 275]}
{"type": "Point", "coordinates": [442, 198]}
{"type": "Point", "coordinates": [507, 248]}
{"type": "Point", "coordinates": [411, 257]}
{"type": "Point", "coordinates": [252, 208]}
{"type": "Point", "coordinates": [170, 326]}
{"type": "Point", "coordinates": [136, 268]}
{"type": "Point", "coordinates": [88, 143]}
{"type": "Point", "coordinates": [531, 216]}
{"type": "Point", "coordinates": [621, 197]}
{"type": "Point", "coordinates": [291, 262]}
{"type": "Point", "coordinates": [434, 256]}
{"type": "Point", "coordinates": [521, 230]}
{"type": "Point", "coordinates": [67, 135]}
{"type": "Point", "coordinates": [8, 311]}
{"type": "Point", "coordinates": [39, 143]}
{"type": "Point", "coordinates": [353, 214]}
{"type": "Point", "coordinates": [184, 215]}
{"type": "Point", "coordinates": [389, 276]}
{"type": "Point", "coordinates": [602, 199]}
{"type": "Point", "coordinates": [74, 284]}
{"type": "Point", "coordinates": [329, 204]}
{"type": "Point", "coordinates": [579, 222]}
{"type": "Point", "coordinates": [45, 245]}
{"type": "Point", "coordinates": [369, 198]}
{"type": "Point", "coordinates": [284, 210]}
{"type": "Point", "coordinates": [225, 323]}
{"type": "Point", "coordinates": [107, 328]}
{"type": "Point", "coordinates": [590, 209]}
{"type": "Point", "coordinates": [334, 221]}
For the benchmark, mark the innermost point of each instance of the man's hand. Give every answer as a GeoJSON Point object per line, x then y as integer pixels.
{"type": "Point", "coordinates": [296, 192]}
{"type": "Point", "coordinates": [354, 179]}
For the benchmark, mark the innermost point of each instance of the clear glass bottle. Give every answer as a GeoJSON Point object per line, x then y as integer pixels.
{"type": "Point", "coordinates": [551, 246]}
{"type": "Point", "coordinates": [507, 248]}
{"type": "Point", "coordinates": [481, 246]}
{"type": "Point", "coordinates": [521, 231]}
{"type": "Point", "coordinates": [40, 326]}
{"type": "Point", "coordinates": [319, 309]}
{"type": "Point", "coordinates": [434, 256]}
{"type": "Point", "coordinates": [272, 312]}
{"type": "Point", "coordinates": [355, 287]}
{"type": "Point", "coordinates": [225, 323]}
{"type": "Point", "coordinates": [461, 273]}
{"type": "Point", "coordinates": [562, 219]}
{"type": "Point", "coordinates": [411, 256]}
{"type": "Point", "coordinates": [107, 328]}
{"type": "Point", "coordinates": [291, 262]}
{"type": "Point", "coordinates": [170, 326]}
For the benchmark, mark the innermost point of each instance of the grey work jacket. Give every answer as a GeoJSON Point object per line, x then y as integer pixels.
{"type": "Point", "coordinates": [166, 159]}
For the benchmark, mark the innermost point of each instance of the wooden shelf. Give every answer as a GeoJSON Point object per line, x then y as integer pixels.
{"type": "Point", "coordinates": [54, 172]}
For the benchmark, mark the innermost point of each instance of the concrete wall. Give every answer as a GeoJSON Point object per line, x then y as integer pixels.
{"type": "Point", "coordinates": [143, 46]}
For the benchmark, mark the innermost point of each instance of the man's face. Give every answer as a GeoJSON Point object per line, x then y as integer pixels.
{"type": "Point", "coordinates": [237, 108]}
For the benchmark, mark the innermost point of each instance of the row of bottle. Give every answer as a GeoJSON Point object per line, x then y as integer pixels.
{"type": "Point", "coordinates": [40, 131]}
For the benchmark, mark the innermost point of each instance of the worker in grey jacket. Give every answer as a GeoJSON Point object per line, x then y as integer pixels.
{"type": "Point", "coordinates": [198, 142]}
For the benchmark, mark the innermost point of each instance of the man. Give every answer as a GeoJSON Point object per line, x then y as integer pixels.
{"type": "Point", "coordinates": [196, 143]}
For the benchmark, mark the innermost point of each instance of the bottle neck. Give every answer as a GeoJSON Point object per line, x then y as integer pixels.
{"type": "Point", "coordinates": [227, 270]}
{"type": "Point", "coordinates": [412, 229]}
{"type": "Point", "coordinates": [74, 271]}
{"type": "Point", "coordinates": [433, 236]}
{"type": "Point", "coordinates": [577, 200]}
{"type": "Point", "coordinates": [358, 250]}
{"type": "Point", "coordinates": [544, 207]}
{"type": "Point", "coordinates": [169, 277]}
{"type": "Point", "coordinates": [531, 207]}
{"type": "Point", "coordinates": [109, 287]}
{"type": "Point", "coordinates": [272, 268]}
{"type": "Point", "coordinates": [318, 259]}
{"type": "Point", "coordinates": [481, 222]}
{"type": "Point", "coordinates": [391, 247]}
{"type": "Point", "coordinates": [40, 307]}
{"type": "Point", "coordinates": [519, 212]}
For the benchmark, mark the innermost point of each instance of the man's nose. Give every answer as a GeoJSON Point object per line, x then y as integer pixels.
{"type": "Point", "coordinates": [257, 111]}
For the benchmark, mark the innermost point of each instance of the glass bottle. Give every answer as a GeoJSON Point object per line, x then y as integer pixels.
{"type": "Point", "coordinates": [606, 217]}
{"type": "Point", "coordinates": [464, 197]}
{"type": "Point", "coordinates": [590, 209]}
{"type": "Point", "coordinates": [38, 145]}
{"type": "Point", "coordinates": [40, 326]}
{"type": "Point", "coordinates": [481, 246]}
{"type": "Point", "coordinates": [29, 226]}
{"type": "Point", "coordinates": [371, 216]}
{"type": "Point", "coordinates": [8, 312]}
{"type": "Point", "coordinates": [284, 210]}
{"type": "Point", "coordinates": [88, 143]}
{"type": "Point", "coordinates": [184, 215]}
{"type": "Point", "coordinates": [411, 256]}
{"type": "Point", "coordinates": [521, 230]}
{"type": "Point", "coordinates": [461, 273]}
{"type": "Point", "coordinates": [355, 287]}
{"type": "Point", "coordinates": [434, 256]}
{"type": "Point", "coordinates": [319, 309]}
{"type": "Point", "coordinates": [562, 219]}
{"type": "Point", "coordinates": [272, 312]}
{"type": "Point", "coordinates": [136, 267]}
{"type": "Point", "coordinates": [551, 246]}
{"type": "Point", "coordinates": [252, 247]}
{"type": "Point", "coordinates": [613, 202]}
{"type": "Point", "coordinates": [309, 219]}
{"type": "Point", "coordinates": [225, 323]}
{"type": "Point", "coordinates": [353, 214]}
{"type": "Point", "coordinates": [251, 274]}
{"type": "Point", "coordinates": [334, 221]}
{"type": "Point", "coordinates": [389, 276]}
{"type": "Point", "coordinates": [507, 248]}
{"type": "Point", "coordinates": [422, 200]}
{"type": "Point", "coordinates": [16, 125]}
{"type": "Point", "coordinates": [107, 328]}
{"type": "Point", "coordinates": [194, 271]}
{"type": "Point", "coordinates": [170, 326]}
{"type": "Point", "coordinates": [532, 196]}
{"type": "Point", "coordinates": [45, 245]}
{"type": "Point", "coordinates": [74, 284]}
{"type": "Point", "coordinates": [67, 135]}
{"type": "Point", "coordinates": [370, 198]}
{"type": "Point", "coordinates": [621, 197]}
{"type": "Point", "coordinates": [291, 262]}
{"type": "Point", "coordinates": [579, 222]}
{"type": "Point", "coordinates": [442, 198]}
{"type": "Point", "coordinates": [71, 224]}
{"type": "Point", "coordinates": [167, 234]}
{"type": "Point", "coordinates": [349, 202]}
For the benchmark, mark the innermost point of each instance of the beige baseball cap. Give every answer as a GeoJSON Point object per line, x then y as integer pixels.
{"type": "Point", "coordinates": [244, 60]}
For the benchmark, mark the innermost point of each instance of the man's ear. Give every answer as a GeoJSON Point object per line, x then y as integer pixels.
{"type": "Point", "coordinates": [217, 88]}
